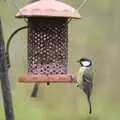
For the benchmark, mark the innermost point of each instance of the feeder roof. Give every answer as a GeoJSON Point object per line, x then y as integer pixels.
{"type": "Point", "coordinates": [48, 8]}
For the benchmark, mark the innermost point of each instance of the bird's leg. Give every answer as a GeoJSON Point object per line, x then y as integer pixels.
{"type": "Point", "coordinates": [78, 81]}
{"type": "Point", "coordinates": [79, 85]}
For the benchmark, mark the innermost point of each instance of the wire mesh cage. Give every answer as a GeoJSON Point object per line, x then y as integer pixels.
{"type": "Point", "coordinates": [47, 46]}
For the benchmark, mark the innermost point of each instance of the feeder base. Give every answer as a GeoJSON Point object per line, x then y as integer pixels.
{"type": "Point", "coordinates": [30, 78]}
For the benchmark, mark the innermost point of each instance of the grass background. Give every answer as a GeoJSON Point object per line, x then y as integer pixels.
{"type": "Point", "coordinates": [96, 35]}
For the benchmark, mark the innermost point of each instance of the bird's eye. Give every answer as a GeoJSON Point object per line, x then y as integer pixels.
{"type": "Point", "coordinates": [86, 63]}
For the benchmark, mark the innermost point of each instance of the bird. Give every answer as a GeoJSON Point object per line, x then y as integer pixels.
{"type": "Point", "coordinates": [85, 79]}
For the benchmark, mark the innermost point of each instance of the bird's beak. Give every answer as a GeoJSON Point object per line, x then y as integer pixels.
{"type": "Point", "coordinates": [78, 61]}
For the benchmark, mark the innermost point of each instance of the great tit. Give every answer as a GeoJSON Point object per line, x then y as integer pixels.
{"type": "Point", "coordinates": [85, 79]}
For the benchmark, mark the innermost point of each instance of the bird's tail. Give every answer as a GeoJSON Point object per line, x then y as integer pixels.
{"type": "Point", "coordinates": [89, 102]}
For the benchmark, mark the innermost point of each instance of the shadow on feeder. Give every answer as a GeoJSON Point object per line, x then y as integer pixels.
{"type": "Point", "coordinates": [47, 42]}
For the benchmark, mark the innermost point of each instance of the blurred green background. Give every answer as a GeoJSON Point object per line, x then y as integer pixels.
{"type": "Point", "coordinates": [96, 35]}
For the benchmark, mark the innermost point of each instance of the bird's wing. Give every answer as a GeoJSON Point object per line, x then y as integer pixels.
{"type": "Point", "coordinates": [88, 85]}
{"type": "Point", "coordinates": [88, 75]}
{"type": "Point", "coordinates": [87, 82]}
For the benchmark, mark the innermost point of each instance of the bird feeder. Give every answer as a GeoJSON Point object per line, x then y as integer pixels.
{"type": "Point", "coordinates": [47, 40]}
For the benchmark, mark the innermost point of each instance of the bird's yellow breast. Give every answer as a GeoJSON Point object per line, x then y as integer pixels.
{"type": "Point", "coordinates": [81, 70]}
{"type": "Point", "coordinates": [80, 74]}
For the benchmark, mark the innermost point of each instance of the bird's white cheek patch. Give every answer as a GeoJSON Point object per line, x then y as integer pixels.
{"type": "Point", "coordinates": [86, 63]}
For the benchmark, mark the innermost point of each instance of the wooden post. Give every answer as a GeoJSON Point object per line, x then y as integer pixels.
{"type": "Point", "coordinates": [5, 84]}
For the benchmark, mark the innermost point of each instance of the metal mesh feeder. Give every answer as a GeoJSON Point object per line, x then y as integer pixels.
{"type": "Point", "coordinates": [47, 41]}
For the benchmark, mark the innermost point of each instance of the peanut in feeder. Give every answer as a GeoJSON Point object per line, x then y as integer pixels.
{"type": "Point", "coordinates": [47, 40]}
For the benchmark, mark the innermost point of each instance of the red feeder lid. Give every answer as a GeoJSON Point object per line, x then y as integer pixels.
{"type": "Point", "coordinates": [48, 8]}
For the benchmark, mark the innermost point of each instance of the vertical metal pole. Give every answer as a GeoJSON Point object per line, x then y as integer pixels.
{"type": "Point", "coordinates": [5, 85]}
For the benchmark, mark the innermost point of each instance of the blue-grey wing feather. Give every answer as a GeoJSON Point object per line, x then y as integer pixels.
{"type": "Point", "coordinates": [87, 85]}
{"type": "Point", "coordinates": [88, 75]}
{"type": "Point", "coordinates": [88, 81]}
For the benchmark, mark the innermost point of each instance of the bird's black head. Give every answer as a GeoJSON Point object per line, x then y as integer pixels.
{"type": "Point", "coordinates": [86, 62]}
